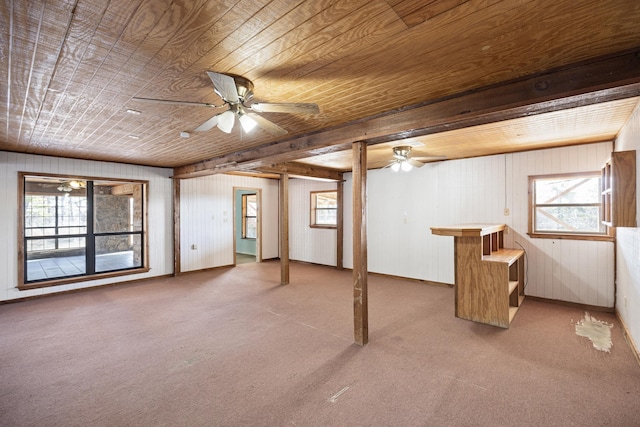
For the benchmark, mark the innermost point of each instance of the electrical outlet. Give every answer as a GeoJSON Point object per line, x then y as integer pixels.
{"type": "Point", "coordinates": [194, 247]}
{"type": "Point", "coordinates": [506, 211]}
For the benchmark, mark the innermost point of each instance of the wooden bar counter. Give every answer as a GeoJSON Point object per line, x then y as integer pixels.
{"type": "Point", "coordinates": [489, 279]}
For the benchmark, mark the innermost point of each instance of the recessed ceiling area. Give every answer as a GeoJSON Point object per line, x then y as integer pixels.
{"type": "Point", "coordinates": [580, 125]}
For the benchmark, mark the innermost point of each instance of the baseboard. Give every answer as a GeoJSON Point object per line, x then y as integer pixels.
{"type": "Point", "coordinates": [390, 276]}
{"type": "Point", "coordinates": [628, 338]}
{"type": "Point", "coordinates": [182, 273]}
{"type": "Point", "coordinates": [585, 307]}
{"type": "Point", "coordinates": [88, 288]}
{"type": "Point", "coordinates": [411, 279]}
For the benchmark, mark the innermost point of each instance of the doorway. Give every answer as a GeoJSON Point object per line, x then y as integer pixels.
{"type": "Point", "coordinates": [247, 222]}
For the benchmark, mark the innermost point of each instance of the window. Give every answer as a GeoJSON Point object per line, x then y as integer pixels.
{"type": "Point", "coordinates": [73, 228]}
{"type": "Point", "coordinates": [249, 216]}
{"type": "Point", "coordinates": [566, 206]}
{"type": "Point", "coordinates": [324, 209]}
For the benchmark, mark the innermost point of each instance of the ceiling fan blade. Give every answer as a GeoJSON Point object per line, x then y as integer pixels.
{"type": "Point", "coordinates": [225, 86]}
{"type": "Point", "coordinates": [388, 165]}
{"type": "Point", "coordinates": [415, 163]}
{"type": "Point", "coordinates": [209, 124]}
{"type": "Point", "coordinates": [168, 101]}
{"type": "Point", "coordinates": [292, 107]}
{"type": "Point", "coordinates": [267, 125]}
{"type": "Point", "coordinates": [429, 158]}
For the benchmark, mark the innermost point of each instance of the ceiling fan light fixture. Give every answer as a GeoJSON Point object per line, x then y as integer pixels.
{"type": "Point", "coordinates": [76, 184]}
{"type": "Point", "coordinates": [406, 166]}
{"type": "Point", "coordinates": [226, 121]}
{"type": "Point", "coordinates": [395, 167]}
{"type": "Point", "coordinates": [247, 123]}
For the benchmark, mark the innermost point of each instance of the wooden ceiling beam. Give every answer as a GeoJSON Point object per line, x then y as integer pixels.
{"type": "Point", "coordinates": [589, 82]}
{"type": "Point", "coordinates": [294, 169]}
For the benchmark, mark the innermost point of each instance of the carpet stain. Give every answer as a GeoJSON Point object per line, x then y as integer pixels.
{"type": "Point", "coordinates": [598, 331]}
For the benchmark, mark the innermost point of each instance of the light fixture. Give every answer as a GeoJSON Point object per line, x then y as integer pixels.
{"type": "Point", "coordinates": [130, 111]}
{"type": "Point", "coordinates": [69, 186]}
{"type": "Point", "coordinates": [185, 134]}
{"type": "Point", "coordinates": [247, 123]}
{"type": "Point", "coordinates": [401, 159]}
{"type": "Point", "coordinates": [226, 121]}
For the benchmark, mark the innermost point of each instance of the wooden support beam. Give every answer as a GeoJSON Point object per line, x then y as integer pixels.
{"type": "Point", "coordinates": [176, 227]}
{"type": "Point", "coordinates": [294, 169]}
{"type": "Point", "coordinates": [589, 82]}
{"type": "Point", "coordinates": [360, 300]}
{"type": "Point", "coordinates": [340, 226]}
{"type": "Point", "coordinates": [284, 229]}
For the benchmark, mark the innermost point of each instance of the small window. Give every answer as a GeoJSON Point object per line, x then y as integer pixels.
{"type": "Point", "coordinates": [566, 206]}
{"type": "Point", "coordinates": [249, 216]}
{"type": "Point", "coordinates": [324, 209]}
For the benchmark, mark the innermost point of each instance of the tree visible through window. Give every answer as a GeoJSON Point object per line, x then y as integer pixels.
{"type": "Point", "coordinates": [567, 205]}
{"type": "Point", "coordinates": [324, 209]}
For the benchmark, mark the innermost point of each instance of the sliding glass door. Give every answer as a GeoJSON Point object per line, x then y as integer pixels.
{"type": "Point", "coordinates": [81, 227]}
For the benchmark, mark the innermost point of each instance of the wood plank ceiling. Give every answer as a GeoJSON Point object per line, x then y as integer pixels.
{"type": "Point", "coordinates": [69, 70]}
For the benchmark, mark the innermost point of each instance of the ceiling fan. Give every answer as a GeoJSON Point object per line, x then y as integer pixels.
{"type": "Point", "coordinates": [402, 161]}
{"type": "Point", "coordinates": [237, 92]}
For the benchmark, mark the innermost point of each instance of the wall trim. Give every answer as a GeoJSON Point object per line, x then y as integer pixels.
{"type": "Point", "coordinates": [628, 338]}
{"type": "Point", "coordinates": [88, 288]}
{"type": "Point", "coordinates": [581, 306]}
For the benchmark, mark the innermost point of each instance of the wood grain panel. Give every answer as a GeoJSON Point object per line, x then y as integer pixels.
{"type": "Point", "coordinates": [499, 19]}
{"type": "Point", "coordinates": [482, 283]}
{"type": "Point", "coordinates": [72, 67]}
{"type": "Point", "coordinates": [360, 264]}
{"type": "Point", "coordinates": [351, 42]}
{"type": "Point", "coordinates": [294, 15]}
{"type": "Point", "coordinates": [414, 12]}
{"type": "Point", "coordinates": [284, 229]}
{"type": "Point", "coordinates": [288, 50]}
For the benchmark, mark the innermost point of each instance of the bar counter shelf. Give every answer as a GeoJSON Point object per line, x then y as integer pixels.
{"type": "Point", "coordinates": [489, 279]}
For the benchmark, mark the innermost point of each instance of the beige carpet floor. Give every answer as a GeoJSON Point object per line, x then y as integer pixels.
{"type": "Point", "coordinates": [232, 347]}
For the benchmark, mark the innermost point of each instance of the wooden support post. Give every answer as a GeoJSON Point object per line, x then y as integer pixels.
{"type": "Point", "coordinates": [360, 303]}
{"type": "Point", "coordinates": [284, 229]}
{"type": "Point", "coordinates": [176, 227]}
{"type": "Point", "coordinates": [340, 226]}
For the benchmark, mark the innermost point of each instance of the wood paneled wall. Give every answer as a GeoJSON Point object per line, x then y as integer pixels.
{"type": "Point", "coordinates": [402, 207]}
{"type": "Point", "coordinates": [628, 245]}
{"type": "Point", "coordinates": [567, 270]}
{"type": "Point", "coordinates": [159, 215]}
{"type": "Point", "coordinates": [316, 245]}
{"type": "Point", "coordinates": [206, 219]}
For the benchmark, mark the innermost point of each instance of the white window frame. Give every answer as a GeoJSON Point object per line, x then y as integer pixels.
{"type": "Point", "coordinates": [603, 234]}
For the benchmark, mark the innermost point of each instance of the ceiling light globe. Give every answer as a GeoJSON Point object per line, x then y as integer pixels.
{"type": "Point", "coordinates": [395, 167]}
{"type": "Point", "coordinates": [406, 166]}
{"type": "Point", "coordinates": [247, 123]}
{"type": "Point", "coordinates": [226, 121]}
